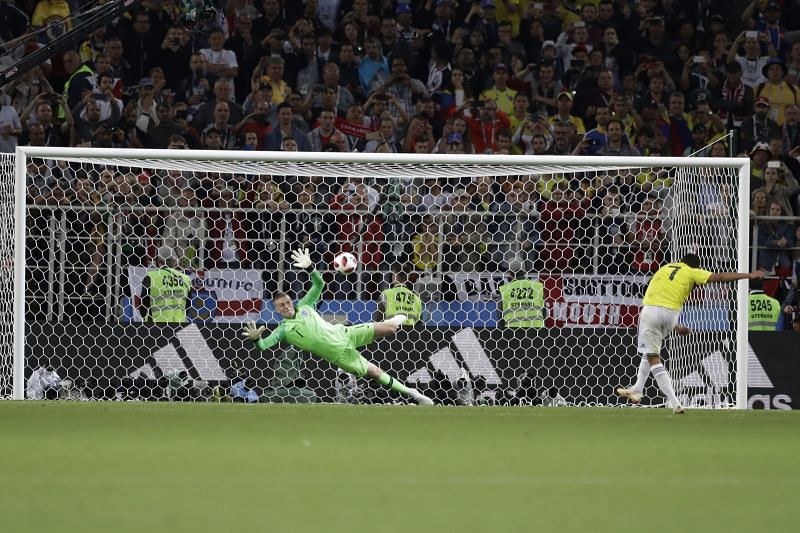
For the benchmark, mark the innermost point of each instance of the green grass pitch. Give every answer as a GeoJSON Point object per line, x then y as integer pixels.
{"type": "Point", "coordinates": [134, 467]}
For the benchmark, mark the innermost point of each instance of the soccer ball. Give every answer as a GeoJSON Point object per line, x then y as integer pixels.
{"type": "Point", "coordinates": [344, 263]}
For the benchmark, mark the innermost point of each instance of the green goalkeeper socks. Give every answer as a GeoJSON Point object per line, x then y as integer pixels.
{"type": "Point", "coordinates": [390, 383]}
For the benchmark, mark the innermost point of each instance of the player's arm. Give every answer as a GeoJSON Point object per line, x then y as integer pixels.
{"type": "Point", "coordinates": [302, 259]}
{"type": "Point", "coordinates": [722, 277]}
{"type": "Point", "coordinates": [253, 332]}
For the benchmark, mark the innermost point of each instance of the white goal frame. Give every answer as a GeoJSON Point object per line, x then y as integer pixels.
{"type": "Point", "coordinates": [493, 162]}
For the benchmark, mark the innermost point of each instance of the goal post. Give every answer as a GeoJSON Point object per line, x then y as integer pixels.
{"type": "Point", "coordinates": [85, 242]}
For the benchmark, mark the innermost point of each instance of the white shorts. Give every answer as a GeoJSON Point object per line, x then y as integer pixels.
{"type": "Point", "coordinates": [655, 325]}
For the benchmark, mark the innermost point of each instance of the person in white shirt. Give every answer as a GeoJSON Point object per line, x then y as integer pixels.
{"type": "Point", "coordinates": [219, 61]}
{"type": "Point", "coordinates": [752, 61]}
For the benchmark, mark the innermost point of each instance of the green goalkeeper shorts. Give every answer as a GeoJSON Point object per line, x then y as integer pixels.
{"type": "Point", "coordinates": [351, 360]}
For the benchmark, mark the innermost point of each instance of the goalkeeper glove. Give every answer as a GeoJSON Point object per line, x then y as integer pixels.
{"type": "Point", "coordinates": [253, 332]}
{"type": "Point", "coordinates": [302, 259]}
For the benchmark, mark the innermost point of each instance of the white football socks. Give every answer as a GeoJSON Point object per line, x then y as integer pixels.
{"type": "Point", "coordinates": [664, 383]}
{"type": "Point", "coordinates": [641, 376]}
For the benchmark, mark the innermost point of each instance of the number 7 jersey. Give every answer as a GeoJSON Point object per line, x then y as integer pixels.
{"type": "Point", "coordinates": [671, 285]}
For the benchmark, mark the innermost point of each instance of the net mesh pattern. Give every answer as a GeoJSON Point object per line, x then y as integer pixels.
{"type": "Point", "coordinates": [453, 234]}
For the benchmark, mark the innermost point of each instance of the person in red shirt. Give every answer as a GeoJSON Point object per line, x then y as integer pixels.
{"type": "Point", "coordinates": [648, 233]}
{"type": "Point", "coordinates": [484, 129]}
{"type": "Point", "coordinates": [360, 232]}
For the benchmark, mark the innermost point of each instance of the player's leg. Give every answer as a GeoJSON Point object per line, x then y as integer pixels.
{"type": "Point", "coordinates": [662, 377]}
{"type": "Point", "coordinates": [647, 339]}
{"type": "Point", "coordinates": [373, 372]}
{"type": "Point", "coordinates": [353, 362]}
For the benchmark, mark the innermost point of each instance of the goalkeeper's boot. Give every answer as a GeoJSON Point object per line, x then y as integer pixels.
{"type": "Point", "coordinates": [632, 395]}
{"type": "Point", "coordinates": [678, 410]}
{"type": "Point", "coordinates": [421, 399]}
{"type": "Point", "coordinates": [397, 320]}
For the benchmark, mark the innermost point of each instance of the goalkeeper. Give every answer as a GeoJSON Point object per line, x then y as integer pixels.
{"type": "Point", "coordinates": [303, 328]}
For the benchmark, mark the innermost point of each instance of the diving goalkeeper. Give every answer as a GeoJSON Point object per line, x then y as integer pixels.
{"type": "Point", "coordinates": [303, 328]}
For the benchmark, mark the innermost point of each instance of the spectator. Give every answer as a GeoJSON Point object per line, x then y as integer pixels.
{"type": "Point", "coordinates": [781, 194]}
{"type": "Point", "coordinates": [614, 253]}
{"type": "Point", "coordinates": [83, 130]}
{"type": "Point", "coordinates": [735, 99]}
{"type": "Point", "coordinates": [547, 87]}
{"type": "Point", "coordinates": [286, 128]}
{"type": "Point", "coordinates": [55, 133]}
{"type": "Point", "coordinates": [222, 126]}
{"type": "Point", "coordinates": [466, 238]}
{"type": "Point", "coordinates": [564, 113]}
{"type": "Point", "coordinates": [758, 128]}
{"type": "Point", "coordinates": [120, 67]}
{"type": "Point", "coordinates": [403, 88]}
{"type": "Point", "coordinates": [158, 136]}
{"type": "Point", "coordinates": [174, 56]}
{"type": "Point", "coordinates": [425, 255]}
{"type": "Point", "coordinates": [775, 240]}
{"type": "Point", "coordinates": [615, 145]}
{"type": "Point", "coordinates": [779, 92]}
{"type": "Point", "coordinates": [185, 230]}
{"type": "Point", "coordinates": [500, 93]}
{"type": "Point", "coordinates": [227, 232]}
{"type": "Point", "coordinates": [559, 220]}
{"type": "Point", "coordinates": [10, 129]}
{"type": "Point", "coordinates": [141, 46]}
{"type": "Point", "coordinates": [648, 236]}
{"type": "Point", "coordinates": [484, 128]}
{"type": "Point", "coordinates": [596, 138]}
{"type": "Point", "coordinates": [752, 62]}
{"type": "Point", "coordinates": [513, 229]}
{"type": "Point", "coordinates": [222, 93]}
{"type": "Point", "coordinates": [319, 138]}
{"type": "Point", "coordinates": [373, 71]}
{"type": "Point", "coordinates": [220, 61]}
{"type": "Point", "coordinates": [359, 231]}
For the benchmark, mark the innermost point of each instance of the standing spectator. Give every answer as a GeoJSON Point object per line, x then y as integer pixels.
{"type": "Point", "coordinates": [615, 135]}
{"type": "Point", "coordinates": [222, 93]}
{"type": "Point", "coordinates": [141, 46]}
{"type": "Point", "coordinates": [735, 100]}
{"type": "Point", "coordinates": [222, 125]}
{"type": "Point", "coordinates": [547, 87]}
{"type": "Point", "coordinates": [174, 57]}
{"type": "Point", "coordinates": [10, 129]}
{"type": "Point", "coordinates": [359, 231]}
{"type": "Point", "coordinates": [403, 88]}
{"type": "Point", "coordinates": [648, 237]}
{"type": "Point", "coordinates": [319, 138]}
{"type": "Point", "coordinates": [373, 72]}
{"type": "Point", "coordinates": [775, 241]}
{"type": "Point", "coordinates": [758, 128]}
{"type": "Point", "coordinates": [158, 136]}
{"type": "Point", "coordinates": [244, 45]}
{"type": "Point", "coordinates": [513, 230]}
{"type": "Point", "coordinates": [227, 233]}
{"type": "Point", "coordinates": [564, 113]}
{"type": "Point", "coordinates": [559, 219]}
{"type": "Point", "coordinates": [677, 132]}
{"type": "Point", "coordinates": [55, 133]}
{"type": "Point", "coordinates": [195, 88]}
{"type": "Point", "coordinates": [83, 130]}
{"type": "Point", "coordinates": [484, 128]}
{"type": "Point", "coordinates": [220, 61]}
{"type": "Point", "coordinates": [121, 68]}
{"type": "Point", "coordinates": [752, 62]}
{"type": "Point", "coordinates": [145, 105]}
{"type": "Point", "coordinates": [306, 67]}
{"type": "Point", "coordinates": [500, 93]}
{"type": "Point", "coordinates": [779, 92]}
{"type": "Point", "coordinates": [286, 128]}
{"type": "Point", "coordinates": [185, 230]}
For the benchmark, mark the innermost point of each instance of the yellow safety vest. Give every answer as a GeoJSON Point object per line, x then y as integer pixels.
{"type": "Point", "coordinates": [522, 303]}
{"type": "Point", "coordinates": [763, 312]}
{"type": "Point", "coordinates": [403, 301]}
{"type": "Point", "coordinates": [169, 290]}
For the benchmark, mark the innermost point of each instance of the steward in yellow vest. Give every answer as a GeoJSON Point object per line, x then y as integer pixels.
{"type": "Point", "coordinates": [165, 292]}
{"type": "Point", "coordinates": [400, 300]}
{"type": "Point", "coordinates": [522, 300]}
{"type": "Point", "coordinates": [763, 311]}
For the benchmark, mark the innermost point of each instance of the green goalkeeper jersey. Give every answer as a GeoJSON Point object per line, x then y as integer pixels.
{"type": "Point", "coordinates": [307, 330]}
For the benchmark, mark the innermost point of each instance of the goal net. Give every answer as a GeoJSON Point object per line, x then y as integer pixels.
{"type": "Point", "coordinates": [589, 232]}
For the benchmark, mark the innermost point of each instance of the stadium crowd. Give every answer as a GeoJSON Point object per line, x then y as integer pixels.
{"type": "Point", "coordinates": [597, 77]}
